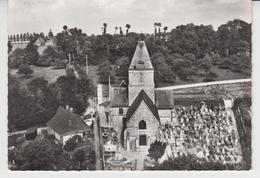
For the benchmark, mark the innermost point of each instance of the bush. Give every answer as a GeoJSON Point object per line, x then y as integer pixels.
{"type": "Point", "coordinates": [59, 64]}
{"type": "Point", "coordinates": [25, 69]}
{"type": "Point", "coordinates": [71, 143]}
{"type": "Point", "coordinates": [208, 80]}
{"type": "Point", "coordinates": [211, 74]}
{"type": "Point", "coordinates": [156, 150]}
{"type": "Point", "coordinates": [44, 62]}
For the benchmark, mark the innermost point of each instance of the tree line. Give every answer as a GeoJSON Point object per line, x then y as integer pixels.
{"type": "Point", "coordinates": [179, 54]}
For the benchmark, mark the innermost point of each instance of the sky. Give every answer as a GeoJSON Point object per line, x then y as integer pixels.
{"type": "Point", "coordinates": [89, 15]}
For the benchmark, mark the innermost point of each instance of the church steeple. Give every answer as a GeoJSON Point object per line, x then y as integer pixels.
{"type": "Point", "coordinates": [141, 59]}
{"type": "Point", "coordinates": [140, 73]}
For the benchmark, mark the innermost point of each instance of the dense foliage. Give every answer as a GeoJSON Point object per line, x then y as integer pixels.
{"type": "Point", "coordinates": [191, 162]}
{"type": "Point", "coordinates": [38, 102]}
{"type": "Point", "coordinates": [39, 155]}
{"type": "Point", "coordinates": [156, 150]}
{"type": "Point", "coordinates": [72, 142]}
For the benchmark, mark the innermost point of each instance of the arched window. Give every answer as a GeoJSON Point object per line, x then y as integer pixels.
{"type": "Point", "coordinates": [142, 125]}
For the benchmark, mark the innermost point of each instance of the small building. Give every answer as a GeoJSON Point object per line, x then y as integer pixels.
{"type": "Point", "coordinates": [65, 124]}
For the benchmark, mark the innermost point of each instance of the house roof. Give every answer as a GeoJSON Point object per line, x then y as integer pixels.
{"type": "Point", "coordinates": [119, 97]}
{"type": "Point", "coordinates": [65, 122]}
{"type": "Point", "coordinates": [141, 59]}
{"type": "Point", "coordinates": [142, 96]}
{"type": "Point", "coordinates": [164, 99]}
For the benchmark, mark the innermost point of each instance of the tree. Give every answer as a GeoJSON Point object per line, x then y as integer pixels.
{"type": "Point", "coordinates": [127, 28]}
{"type": "Point", "coordinates": [156, 150]}
{"type": "Point", "coordinates": [10, 46]}
{"type": "Point", "coordinates": [121, 31]}
{"type": "Point", "coordinates": [155, 29]}
{"type": "Point", "coordinates": [65, 27]}
{"type": "Point", "coordinates": [37, 85]}
{"type": "Point", "coordinates": [39, 155]}
{"type": "Point", "coordinates": [105, 70]}
{"type": "Point", "coordinates": [165, 29]}
{"type": "Point", "coordinates": [17, 58]}
{"type": "Point", "coordinates": [116, 28]}
{"type": "Point", "coordinates": [80, 156]}
{"type": "Point", "coordinates": [32, 55]}
{"type": "Point", "coordinates": [50, 34]}
{"type": "Point", "coordinates": [25, 69]}
{"type": "Point", "coordinates": [104, 28]}
{"type": "Point", "coordinates": [230, 34]}
{"type": "Point", "coordinates": [159, 27]}
{"type": "Point", "coordinates": [122, 65]}
{"type": "Point", "coordinates": [71, 143]}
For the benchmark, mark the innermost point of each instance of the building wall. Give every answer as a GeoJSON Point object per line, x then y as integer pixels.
{"type": "Point", "coordinates": [21, 44]}
{"type": "Point", "coordinates": [115, 111]}
{"type": "Point", "coordinates": [138, 80]}
{"type": "Point", "coordinates": [165, 116]}
{"type": "Point", "coordinates": [152, 126]}
{"type": "Point", "coordinates": [66, 137]}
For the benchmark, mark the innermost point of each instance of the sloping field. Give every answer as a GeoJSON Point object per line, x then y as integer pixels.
{"type": "Point", "coordinates": [48, 73]}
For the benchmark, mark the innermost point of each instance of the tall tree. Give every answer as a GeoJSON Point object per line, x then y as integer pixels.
{"type": "Point", "coordinates": [127, 28]}
{"type": "Point", "coordinates": [159, 27]}
{"type": "Point", "coordinates": [104, 28]}
{"type": "Point", "coordinates": [155, 28]}
{"type": "Point", "coordinates": [116, 28]}
{"type": "Point", "coordinates": [121, 31]}
{"type": "Point", "coordinates": [165, 29]}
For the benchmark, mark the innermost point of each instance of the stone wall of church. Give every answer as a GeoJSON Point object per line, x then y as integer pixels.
{"type": "Point", "coordinates": [138, 80]}
{"type": "Point", "coordinates": [115, 111]}
{"type": "Point", "coordinates": [165, 116]}
{"type": "Point", "coordinates": [152, 124]}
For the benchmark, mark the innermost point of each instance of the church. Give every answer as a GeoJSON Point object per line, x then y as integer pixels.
{"type": "Point", "coordinates": [136, 111]}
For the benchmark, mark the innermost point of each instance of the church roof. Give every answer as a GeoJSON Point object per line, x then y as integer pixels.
{"type": "Point", "coordinates": [141, 59]}
{"type": "Point", "coordinates": [119, 97]}
{"type": "Point", "coordinates": [65, 122]}
{"type": "Point", "coordinates": [142, 96]}
{"type": "Point", "coordinates": [164, 99]}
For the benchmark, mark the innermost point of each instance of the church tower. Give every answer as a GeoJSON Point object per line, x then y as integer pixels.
{"type": "Point", "coordinates": [140, 73]}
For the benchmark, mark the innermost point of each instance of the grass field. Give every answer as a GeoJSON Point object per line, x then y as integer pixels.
{"type": "Point", "coordinates": [50, 74]}
{"type": "Point", "coordinates": [222, 74]}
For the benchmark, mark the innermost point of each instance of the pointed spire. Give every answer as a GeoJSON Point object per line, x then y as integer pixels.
{"type": "Point", "coordinates": [141, 59]}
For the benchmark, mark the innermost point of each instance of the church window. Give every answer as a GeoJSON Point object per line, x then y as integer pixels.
{"type": "Point", "coordinates": [142, 125]}
{"type": "Point", "coordinates": [121, 111]}
{"type": "Point", "coordinates": [142, 140]}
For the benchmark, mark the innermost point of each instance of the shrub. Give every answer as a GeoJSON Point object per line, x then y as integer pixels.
{"type": "Point", "coordinates": [156, 150]}
{"type": "Point", "coordinates": [71, 143]}
{"type": "Point", "coordinates": [44, 62]}
{"type": "Point", "coordinates": [25, 69]}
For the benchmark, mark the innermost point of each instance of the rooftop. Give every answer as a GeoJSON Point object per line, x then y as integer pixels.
{"type": "Point", "coordinates": [65, 122]}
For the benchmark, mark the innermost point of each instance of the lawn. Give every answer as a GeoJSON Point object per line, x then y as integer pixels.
{"type": "Point", "coordinates": [48, 73]}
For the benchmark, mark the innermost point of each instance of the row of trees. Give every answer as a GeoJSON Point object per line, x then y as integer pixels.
{"type": "Point", "coordinates": [28, 36]}
{"type": "Point", "coordinates": [193, 48]}
{"type": "Point", "coordinates": [104, 29]}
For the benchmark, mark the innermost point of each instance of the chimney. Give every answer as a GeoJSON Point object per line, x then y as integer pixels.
{"type": "Point", "coordinates": [69, 123]}
{"type": "Point", "coordinates": [71, 109]}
